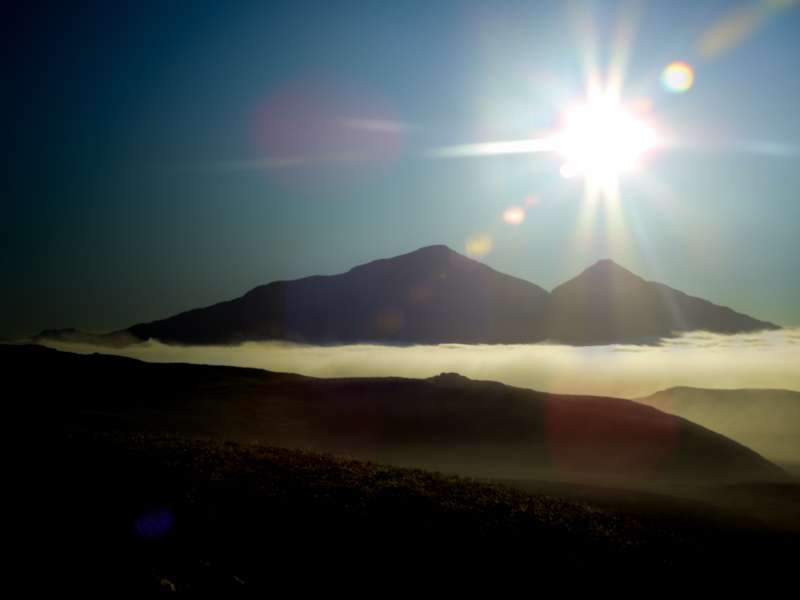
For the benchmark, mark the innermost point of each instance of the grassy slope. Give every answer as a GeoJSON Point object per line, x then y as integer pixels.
{"type": "Point", "coordinates": [258, 516]}
{"type": "Point", "coordinates": [255, 517]}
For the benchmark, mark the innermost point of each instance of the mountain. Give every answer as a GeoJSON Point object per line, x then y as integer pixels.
{"type": "Point", "coordinates": [435, 295]}
{"type": "Point", "coordinates": [766, 420]}
{"type": "Point", "coordinates": [446, 423]}
{"type": "Point", "coordinates": [608, 304]}
{"type": "Point", "coordinates": [429, 296]}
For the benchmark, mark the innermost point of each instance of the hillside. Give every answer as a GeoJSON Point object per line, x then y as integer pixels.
{"type": "Point", "coordinates": [767, 421]}
{"type": "Point", "coordinates": [147, 513]}
{"type": "Point", "coordinates": [447, 423]}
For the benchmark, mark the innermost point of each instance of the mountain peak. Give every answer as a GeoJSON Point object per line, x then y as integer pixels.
{"type": "Point", "coordinates": [428, 252]}
{"type": "Point", "coordinates": [434, 249]}
{"type": "Point", "coordinates": [434, 252]}
{"type": "Point", "coordinates": [449, 378]}
{"type": "Point", "coordinates": [605, 262]}
{"type": "Point", "coordinates": [422, 258]}
{"type": "Point", "coordinates": [606, 268]}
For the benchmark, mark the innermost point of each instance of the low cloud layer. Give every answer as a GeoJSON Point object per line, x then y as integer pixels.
{"type": "Point", "coordinates": [767, 359]}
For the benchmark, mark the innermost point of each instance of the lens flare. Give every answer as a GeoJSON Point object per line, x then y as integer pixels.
{"type": "Point", "coordinates": [677, 77]}
{"type": "Point", "coordinates": [389, 320]}
{"type": "Point", "coordinates": [531, 201]}
{"type": "Point", "coordinates": [154, 524]}
{"type": "Point", "coordinates": [743, 22]}
{"type": "Point", "coordinates": [479, 245]}
{"type": "Point", "coordinates": [514, 215]}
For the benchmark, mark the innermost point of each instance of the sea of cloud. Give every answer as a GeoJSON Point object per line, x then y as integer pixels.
{"type": "Point", "coordinates": [769, 359]}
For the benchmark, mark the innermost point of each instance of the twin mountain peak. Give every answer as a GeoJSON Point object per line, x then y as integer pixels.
{"type": "Point", "coordinates": [435, 295]}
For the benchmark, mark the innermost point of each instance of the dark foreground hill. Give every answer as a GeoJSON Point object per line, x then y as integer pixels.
{"type": "Point", "coordinates": [767, 421]}
{"type": "Point", "coordinates": [447, 423]}
{"type": "Point", "coordinates": [435, 295]}
{"type": "Point", "coordinates": [133, 513]}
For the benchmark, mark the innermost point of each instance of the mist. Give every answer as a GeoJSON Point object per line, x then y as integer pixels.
{"type": "Point", "coordinates": [766, 359]}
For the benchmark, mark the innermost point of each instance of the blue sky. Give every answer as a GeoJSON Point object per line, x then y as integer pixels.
{"type": "Point", "coordinates": [132, 190]}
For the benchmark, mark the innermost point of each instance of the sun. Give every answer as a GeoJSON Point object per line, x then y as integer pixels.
{"type": "Point", "coordinates": [600, 140]}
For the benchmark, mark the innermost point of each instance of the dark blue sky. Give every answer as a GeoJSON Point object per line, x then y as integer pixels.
{"type": "Point", "coordinates": [133, 188]}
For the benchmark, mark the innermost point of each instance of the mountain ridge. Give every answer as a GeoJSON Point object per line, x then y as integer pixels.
{"type": "Point", "coordinates": [436, 295]}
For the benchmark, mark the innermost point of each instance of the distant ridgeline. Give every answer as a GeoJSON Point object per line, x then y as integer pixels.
{"type": "Point", "coordinates": [435, 295]}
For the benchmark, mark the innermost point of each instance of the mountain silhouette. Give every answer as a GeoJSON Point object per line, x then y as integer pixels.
{"type": "Point", "coordinates": [609, 304]}
{"type": "Point", "coordinates": [435, 295]}
{"type": "Point", "coordinates": [432, 295]}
